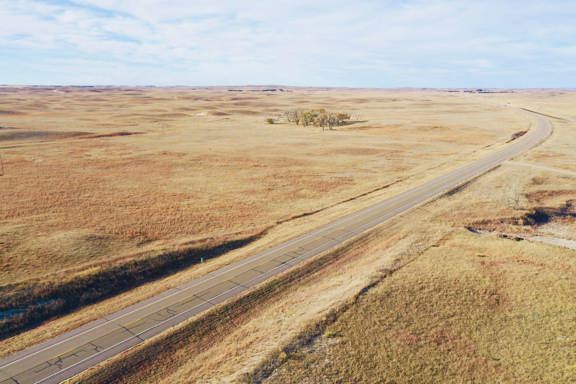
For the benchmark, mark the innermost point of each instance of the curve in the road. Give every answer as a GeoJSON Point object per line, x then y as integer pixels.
{"type": "Point", "coordinates": [66, 355]}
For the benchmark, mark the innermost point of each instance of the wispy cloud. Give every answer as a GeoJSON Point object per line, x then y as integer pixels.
{"type": "Point", "coordinates": [341, 43]}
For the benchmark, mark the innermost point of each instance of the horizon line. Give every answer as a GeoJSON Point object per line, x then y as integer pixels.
{"type": "Point", "coordinates": [277, 86]}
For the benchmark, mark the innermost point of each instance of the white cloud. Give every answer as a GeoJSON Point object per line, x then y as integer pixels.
{"type": "Point", "coordinates": [323, 42]}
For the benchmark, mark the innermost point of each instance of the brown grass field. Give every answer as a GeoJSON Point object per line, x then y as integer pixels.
{"type": "Point", "coordinates": [417, 300]}
{"type": "Point", "coordinates": [91, 176]}
{"type": "Point", "coordinates": [461, 312]}
{"type": "Point", "coordinates": [102, 186]}
{"type": "Point", "coordinates": [88, 199]}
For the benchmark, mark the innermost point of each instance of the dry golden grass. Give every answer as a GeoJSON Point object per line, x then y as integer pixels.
{"type": "Point", "coordinates": [471, 308]}
{"type": "Point", "coordinates": [191, 176]}
{"type": "Point", "coordinates": [98, 181]}
{"type": "Point", "coordinates": [238, 339]}
{"type": "Point", "coordinates": [274, 323]}
{"type": "Point", "coordinates": [461, 312]}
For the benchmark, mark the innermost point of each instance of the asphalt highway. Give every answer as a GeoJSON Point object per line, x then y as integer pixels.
{"type": "Point", "coordinates": [67, 355]}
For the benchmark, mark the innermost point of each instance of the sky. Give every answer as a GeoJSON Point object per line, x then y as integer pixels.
{"type": "Point", "coordinates": [341, 43]}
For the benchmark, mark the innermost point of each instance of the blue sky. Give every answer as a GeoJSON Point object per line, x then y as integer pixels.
{"type": "Point", "coordinates": [362, 43]}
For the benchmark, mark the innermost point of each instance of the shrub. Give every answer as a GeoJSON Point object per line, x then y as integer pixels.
{"type": "Point", "coordinates": [317, 118]}
{"type": "Point", "coordinates": [270, 120]}
{"type": "Point", "coordinates": [330, 334]}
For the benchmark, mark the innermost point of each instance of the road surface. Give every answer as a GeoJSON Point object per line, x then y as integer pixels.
{"type": "Point", "coordinates": [64, 356]}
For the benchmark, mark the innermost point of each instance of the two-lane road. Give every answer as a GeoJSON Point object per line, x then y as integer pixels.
{"type": "Point", "coordinates": [71, 353]}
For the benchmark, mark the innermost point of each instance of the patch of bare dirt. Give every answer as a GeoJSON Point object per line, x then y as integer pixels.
{"type": "Point", "coordinates": [545, 224]}
{"type": "Point", "coordinates": [546, 196]}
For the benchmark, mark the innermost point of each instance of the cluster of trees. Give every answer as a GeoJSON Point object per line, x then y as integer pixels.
{"type": "Point", "coordinates": [317, 117]}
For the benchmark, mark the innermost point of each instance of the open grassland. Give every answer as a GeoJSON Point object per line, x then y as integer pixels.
{"type": "Point", "coordinates": [106, 189]}
{"type": "Point", "coordinates": [419, 299]}
{"type": "Point", "coordinates": [475, 307]}
{"type": "Point", "coordinates": [462, 312]}
{"type": "Point", "coordinates": [109, 172]}
{"type": "Point", "coordinates": [270, 330]}
{"type": "Point", "coordinates": [227, 344]}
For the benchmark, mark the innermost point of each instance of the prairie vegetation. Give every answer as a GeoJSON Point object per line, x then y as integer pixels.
{"type": "Point", "coordinates": [100, 185]}
{"type": "Point", "coordinates": [416, 299]}
{"type": "Point", "coordinates": [419, 299]}
{"type": "Point", "coordinates": [464, 311]}
{"type": "Point", "coordinates": [476, 307]}
{"type": "Point", "coordinates": [32, 304]}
